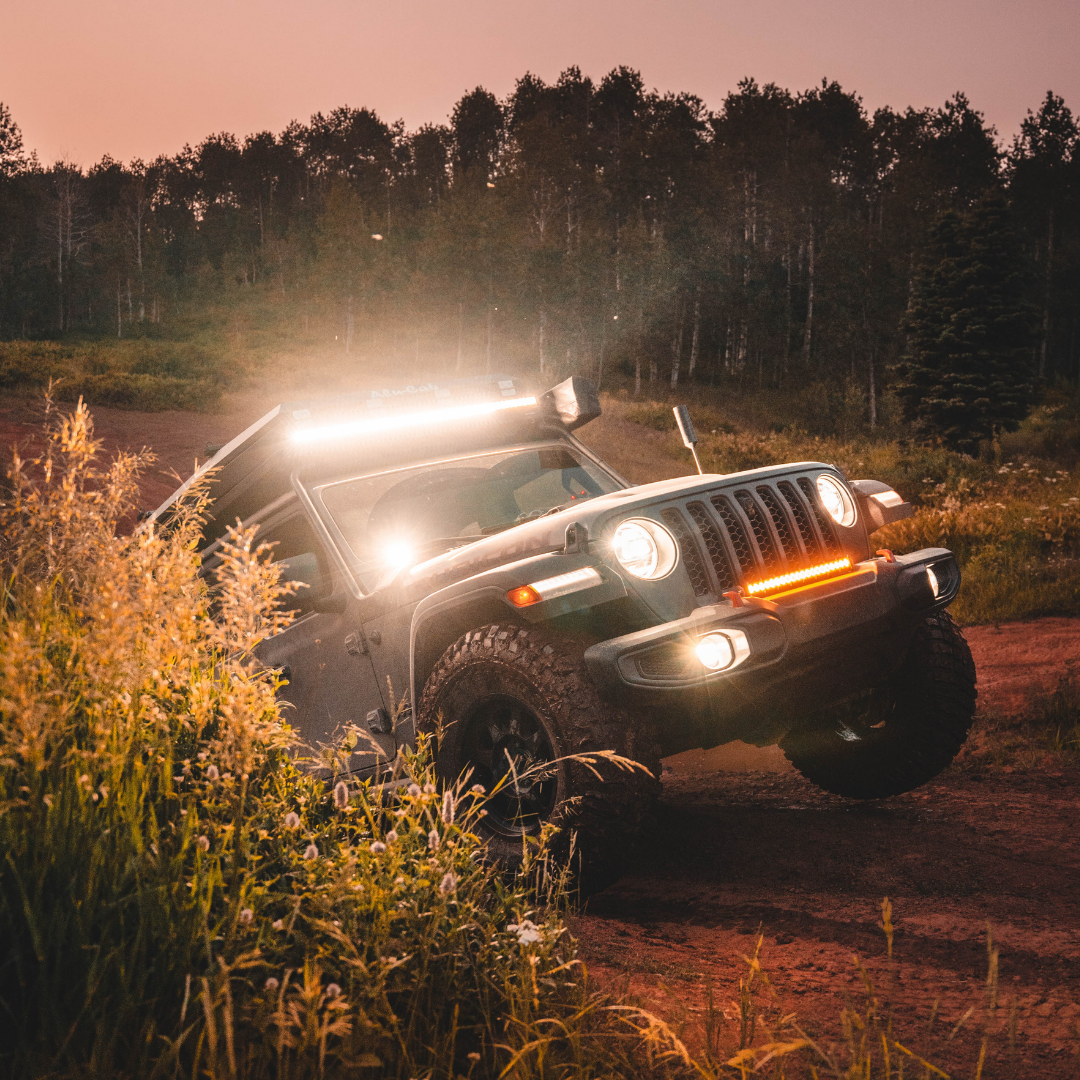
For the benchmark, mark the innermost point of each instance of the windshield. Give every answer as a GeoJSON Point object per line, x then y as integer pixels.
{"type": "Point", "coordinates": [400, 518]}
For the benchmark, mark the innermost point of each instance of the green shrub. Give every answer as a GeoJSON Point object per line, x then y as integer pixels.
{"type": "Point", "coordinates": [135, 374]}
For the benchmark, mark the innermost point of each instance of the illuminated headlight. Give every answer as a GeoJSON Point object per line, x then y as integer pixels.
{"type": "Point", "coordinates": [721, 650]}
{"type": "Point", "coordinates": [836, 500]}
{"type": "Point", "coordinates": [644, 548]}
{"type": "Point", "coordinates": [935, 588]}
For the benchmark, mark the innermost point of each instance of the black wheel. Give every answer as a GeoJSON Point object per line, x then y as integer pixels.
{"type": "Point", "coordinates": [905, 732]}
{"type": "Point", "coordinates": [508, 700]}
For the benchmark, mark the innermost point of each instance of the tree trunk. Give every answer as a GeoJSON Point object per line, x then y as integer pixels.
{"type": "Point", "coordinates": [1046, 303]}
{"type": "Point", "coordinates": [600, 364]}
{"type": "Point", "coordinates": [696, 335]}
{"type": "Point", "coordinates": [119, 317]}
{"type": "Point", "coordinates": [785, 357]}
{"type": "Point", "coordinates": [808, 329]}
{"type": "Point", "coordinates": [872, 394]}
{"type": "Point", "coordinates": [543, 340]}
{"type": "Point", "coordinates": [460, 333]}
{"type": "Point", "coordinates": [676, 343]}
{"type": "Point", "coordinates": [490, 332]}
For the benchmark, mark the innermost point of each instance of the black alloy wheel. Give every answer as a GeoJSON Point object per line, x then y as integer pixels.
{"type": "Point", "coordinates": [511, 755]}
{"type": "Point", "coordinates": [512, 708]}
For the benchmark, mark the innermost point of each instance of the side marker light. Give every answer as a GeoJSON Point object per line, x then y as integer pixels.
{"type": "Point", "coordinates": [524, 596]}
{"type": "Point", "coordinates": [550, 588]}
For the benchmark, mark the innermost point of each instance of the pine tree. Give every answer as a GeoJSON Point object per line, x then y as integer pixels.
{"type": "Point", "coordinates": [967, 374]}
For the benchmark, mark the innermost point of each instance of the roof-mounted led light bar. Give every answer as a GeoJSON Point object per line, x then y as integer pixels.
{"type": "Point", "coordinates": [401, 421]}
{"type": "Point", "coordinates": [797, 577]}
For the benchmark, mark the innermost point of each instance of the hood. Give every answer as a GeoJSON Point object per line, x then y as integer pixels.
{"type": "Point", "coordinates": [548, 534]}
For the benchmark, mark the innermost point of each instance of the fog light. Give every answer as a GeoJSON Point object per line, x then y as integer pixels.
{"type": "Point", "coordinates": [715, 652]}
{"type": "Point", "coordinates": [935, 588]}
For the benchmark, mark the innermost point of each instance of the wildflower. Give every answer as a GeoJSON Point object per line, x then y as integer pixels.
{"type": "Point", "coordinates": [47, 800]}
{"type": "Point", "coordinates": [202, 755]}
{"type": "Point", "coordinates": [448, 808]}
{"type": "Point", "coordinates": [212, 772]}
{"type": "Point", "coordinates": [292, 820]}
{"type": "Point", "coordinates": [246, 916]}
{"type": "Point", "coordinates": [278, 924]}
{"type": "Point", "coordinates": [341, 795]}
{"type": "Point", "coordinates": [311, 852]}
{"type": "Point", "coordinates": [203, 843]}
{"type": "Point", "coordinates": [474, 1056]}
{"type": "Point", "coordinates": [448, 883]}
{"type": "Point", "coordinates": [433, 840]}
{"type": "Point", "coordinates": [377, 847]}
{"type": "Point", "coordinates": [429, 789]}
{"type": "Point", "coordinates": [357, 887]}
{"type": "Point", "coordinates": [478, 789]}
{"type": "Point", "coordinates": [391, 836]}
{"type": "Point", "coordinates": [272, 983]}
{"type": "Point", "coordinates": [414, 791]}
{"type": "Point", "coordinates": [399, 881]}
{"type": "Point", "coordinates": [333, 990]}
{"type": "Point", "coordinates": [527, 931]}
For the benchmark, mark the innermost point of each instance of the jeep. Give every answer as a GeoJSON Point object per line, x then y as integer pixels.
{"type": "Point", "coordinates": [467, 568]}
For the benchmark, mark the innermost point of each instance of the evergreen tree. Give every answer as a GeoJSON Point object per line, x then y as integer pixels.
{"type": "Point", "coordinates": [967, 376]}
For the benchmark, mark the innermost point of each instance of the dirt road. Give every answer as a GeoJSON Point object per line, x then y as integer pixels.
{"type": "Point", "coordinates": [743, 844]}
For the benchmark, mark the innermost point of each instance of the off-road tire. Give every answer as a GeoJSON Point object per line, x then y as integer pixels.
{"type": "Point", "coordinates": [597, 819]}
{"type": "Point", "coordinates": [908, 732]}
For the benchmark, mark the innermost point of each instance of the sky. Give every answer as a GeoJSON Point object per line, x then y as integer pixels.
{"type": "Point", "coordinates": [138, 78]}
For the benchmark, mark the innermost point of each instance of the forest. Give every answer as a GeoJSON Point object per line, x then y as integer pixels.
{"type": "Point", "coordinates": [578, 227]}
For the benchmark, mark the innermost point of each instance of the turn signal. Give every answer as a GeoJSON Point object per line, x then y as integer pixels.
{"type": "Point", "coordinates": [523, 596]}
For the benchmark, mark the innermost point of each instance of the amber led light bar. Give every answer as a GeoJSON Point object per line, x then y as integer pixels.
{"type": "Point", "coordinates": [796, 577]}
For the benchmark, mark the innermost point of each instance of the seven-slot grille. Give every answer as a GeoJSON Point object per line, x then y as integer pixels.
{"type": "Point", "coordinates": [744, 533]}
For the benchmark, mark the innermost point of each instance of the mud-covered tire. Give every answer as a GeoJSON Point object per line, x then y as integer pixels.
{"type": "Point", "coordinates": [597, 818]}
{"type": "Point", "coordinates": [906, 733]}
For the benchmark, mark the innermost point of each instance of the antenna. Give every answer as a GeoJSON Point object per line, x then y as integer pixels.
{"type": "Point", "coordinates": [686, 430]}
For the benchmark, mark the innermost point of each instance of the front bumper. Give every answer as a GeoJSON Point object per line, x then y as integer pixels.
{"type": "Point", "coordinates": [808, 648]}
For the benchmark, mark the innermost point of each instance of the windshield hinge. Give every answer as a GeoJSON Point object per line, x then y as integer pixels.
{"type": "Point", "coordinates": [577, 539]}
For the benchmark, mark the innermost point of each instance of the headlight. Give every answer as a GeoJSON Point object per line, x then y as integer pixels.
{"type": "Point", "coordinates": [836, 500]}
{"type": "Point", "coordinates": [644, 548]}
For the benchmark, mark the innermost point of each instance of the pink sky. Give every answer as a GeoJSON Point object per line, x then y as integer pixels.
{"type": "Point", "coordinates": [88, 77]}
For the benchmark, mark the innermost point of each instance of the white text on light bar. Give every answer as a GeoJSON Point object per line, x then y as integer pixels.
{"type": "Point", "coordinates": [371, 426]}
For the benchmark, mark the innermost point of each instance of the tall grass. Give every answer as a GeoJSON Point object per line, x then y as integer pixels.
{"type": "Point", "coordinates": [176, 894]}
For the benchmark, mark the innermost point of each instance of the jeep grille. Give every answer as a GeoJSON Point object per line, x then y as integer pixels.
{"type": "Point", "coordinates": [745, 532]}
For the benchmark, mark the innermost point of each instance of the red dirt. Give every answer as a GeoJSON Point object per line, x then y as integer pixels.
{"type": "Point", "coordinates": [742, 842]}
